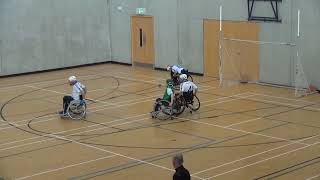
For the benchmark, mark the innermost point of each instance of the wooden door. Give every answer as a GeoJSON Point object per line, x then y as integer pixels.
{"type": "Point", "coordinates": [142, 42]}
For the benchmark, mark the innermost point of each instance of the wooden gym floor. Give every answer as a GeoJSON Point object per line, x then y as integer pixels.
{"type": "Point", "coordinates": [241, 132]}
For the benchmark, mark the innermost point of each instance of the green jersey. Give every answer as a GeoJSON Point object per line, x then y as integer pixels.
{"type": "Point", "coordinates": [167, 94]}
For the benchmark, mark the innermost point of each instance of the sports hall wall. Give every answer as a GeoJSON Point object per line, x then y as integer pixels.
{"type": "Point", "coordinates": [179, 34]}
{"type": "Point", "coordinates": [47, 34]}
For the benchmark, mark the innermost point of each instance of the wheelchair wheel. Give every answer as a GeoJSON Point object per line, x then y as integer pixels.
{"type": "Point", "coordinates": [164, 112]}
{"type": "Point", "coordinates": [77, 109]}
{"type": "Point", "coordinates": [195, 104]}
{"type": "Point", "coordinates": [179, 106]}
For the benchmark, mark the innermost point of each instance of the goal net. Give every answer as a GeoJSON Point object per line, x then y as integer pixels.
{"type": "Point", "coordinates": [270, 63]}
{"type": "Point", "coordinates": [301, 84]}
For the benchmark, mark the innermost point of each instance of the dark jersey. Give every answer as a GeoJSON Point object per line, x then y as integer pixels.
{"type": "Point", "coordinates": [181, 174]}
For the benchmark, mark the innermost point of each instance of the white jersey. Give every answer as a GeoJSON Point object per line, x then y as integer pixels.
{"type": "Point", "coordinates": [77, 88]}
{"type": "Point", "coordinates": [176, 69]}
{"type": "Point", "coordinates": [188, 86]}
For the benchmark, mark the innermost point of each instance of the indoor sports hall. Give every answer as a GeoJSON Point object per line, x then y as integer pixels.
{"type": "Point", "coordinates": [84, 87]}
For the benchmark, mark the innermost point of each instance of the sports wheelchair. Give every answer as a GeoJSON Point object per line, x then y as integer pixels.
{"type": "Point", "coordinates": [192, 101]}
{"type": "Point", "coordinates": [164, 111]}
{"type": "Point", "coordinates": [77, 109]}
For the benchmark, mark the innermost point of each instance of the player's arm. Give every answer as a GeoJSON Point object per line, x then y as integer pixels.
{"type": "Point", "coordinates": [170, 91]}
{"type": "Point", "coordinates": [195, 89]}
{"type": "Point", "coordinates": [171, 101]}
{"type": "Point", "coordinates": [83, 91]}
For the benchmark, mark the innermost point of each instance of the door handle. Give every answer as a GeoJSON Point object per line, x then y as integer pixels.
{"type": "Point", "coordinates": [140, 42]}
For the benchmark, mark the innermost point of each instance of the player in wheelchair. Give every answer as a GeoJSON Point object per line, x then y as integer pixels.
{"type": "Point", "coordinates": [188, 90]}
{"type": "Point", "coordinates": [175, 72]}
{"type": "Point", "coordinates": [169, 105]}
{"type": "Point", "coordinates": [74, 106]}
{"type": "Point", "coordinates": [166, 101]}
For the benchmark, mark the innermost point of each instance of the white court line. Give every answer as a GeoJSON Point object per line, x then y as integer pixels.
{"type": "Point", "coordinates": [64, 79]}
{"type": "Point", "coordinates": [69, 166]}
{"type": "Point", "coordinates": [54, 115]}
{"type": "Point", "coordinates": [225, 97]}
{"type": "Point", "coordinates": [54, 134]}
{"type": "Point", "coordinates": [60, 79]}
{"type": "Point", "coordinates": [212, 104]}
{"type": "Point", "coordinates": [89, 126]}
{"type": "Point", "coordinates": [313, 177]}
{"type": "Point", "coordinates": [161, 78]}
{"type": "Point", "coordinates": [44, 81]}
{"type": "Point", "coordinates": [191, 120]}
{"type": "Point", "coordinates": [238, 130]}
{"type": "Point", "coordinates": [141, 120]}
{"type": "Point", "coordinates": [287, 104]}
{"type": "Point", "coordinates": [81, 127]}
{"type": "Point", "coordinates": [12, 147]}
{"type": "Point", "coordinates": [244, 97]}
{"type": "Point", "coordinates": [116, 105]}
{"type": "Point", "coordinates": [144, 118]}
{"type": "Point", "coordinates": [114, 153]}
{"type": "Point", "coordinates": [279, 97]}
{"type": "Point", "coordinates": [243, 122]}
{"type": "Point", "coordinates": [267, 159]}
{"type": "Point", "coordinates": [12, 142]}
{"type": "Point", "coordinates": [65, 93]}
{"type": "Point", "coordinates": [75, 129]}
{"type": "Point", "coordinates": [109, 74]}
{"type": "Point", "coordinates": [254, 155]}
{"type": "Point", "coordinates": [89, 112]}
{"type": "Point", "coordinates": [103, 102]}
{"type": "Point", "coordinates": [255, 119]}
{"type": "Point", "coordinates": [127, 157]}
{"type": "Point", "coordinates": [57, 92]}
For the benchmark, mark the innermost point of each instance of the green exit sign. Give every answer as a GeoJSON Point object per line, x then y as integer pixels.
{"type": "Point", "coordinates": [141, 11]}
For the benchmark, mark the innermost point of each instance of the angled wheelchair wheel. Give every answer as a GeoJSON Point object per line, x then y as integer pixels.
{"type": "Point", "coordinates": [165, 111]}
{"type": "Point", "coordinates": [161, 115]}
{"type": "Point", "coordinates": [77, 109]}
{"type": "Point", "coordinates": [179, 106]}
{"type": "Point", "coordinates": [194, 105]}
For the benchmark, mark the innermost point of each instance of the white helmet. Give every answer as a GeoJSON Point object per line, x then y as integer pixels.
{"type": "Point", "coordinates": [72, 78]}
{"type": "Point", "coordinates": [183, 77]}
{"type": "Point", "coordinates": [168, 68]}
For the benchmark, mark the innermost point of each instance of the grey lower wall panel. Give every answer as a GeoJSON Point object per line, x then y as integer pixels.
{"type": "Point", "coordinates": [47, 34]}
